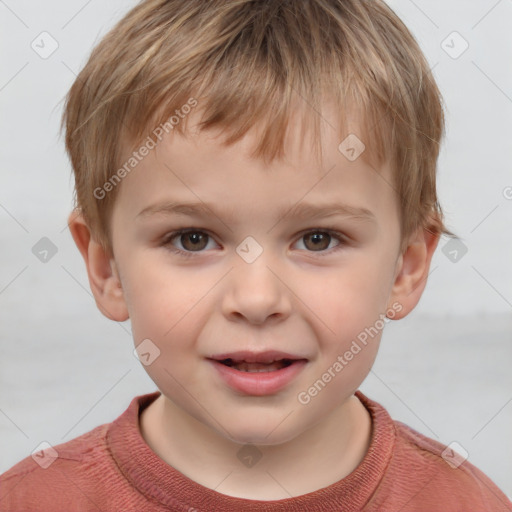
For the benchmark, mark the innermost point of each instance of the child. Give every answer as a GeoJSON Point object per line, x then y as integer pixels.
{"type": "Point", "coordinates": [255, 189]}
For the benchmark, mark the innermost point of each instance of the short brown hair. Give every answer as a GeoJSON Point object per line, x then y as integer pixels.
{"type": "Point", "coordinates": [244, 61]}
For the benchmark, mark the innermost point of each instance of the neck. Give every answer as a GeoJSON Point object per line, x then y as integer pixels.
{"type": "Point", "coordinates": [317, 458]}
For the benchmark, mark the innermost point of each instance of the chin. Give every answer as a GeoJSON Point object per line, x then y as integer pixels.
{"type": "Point", "coordinates": [261, 435]}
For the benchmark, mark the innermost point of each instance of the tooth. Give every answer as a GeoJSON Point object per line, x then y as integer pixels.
{"type": "Point", "coordinates": [258, 367]}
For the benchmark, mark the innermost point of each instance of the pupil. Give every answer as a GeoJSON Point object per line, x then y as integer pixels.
{"type": "Point", "coordinates": [319, 240]}
{"type": "Point", "coordinates": [193, 241]}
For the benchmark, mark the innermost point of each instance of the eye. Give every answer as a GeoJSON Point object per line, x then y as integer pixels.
{"type": "Point", "coordinates": [187, 241]}
{"type": "Point", "coordinates": [320, 240]}
{"type": "Point", "coordinates": [190, 240]}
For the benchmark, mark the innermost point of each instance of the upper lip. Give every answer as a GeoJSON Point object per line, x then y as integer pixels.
{"type": "Point", "coordinates": [247, 356]}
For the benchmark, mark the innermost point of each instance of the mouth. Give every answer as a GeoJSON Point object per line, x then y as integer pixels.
{"type": "Point", "coordinates": [258, 367]}
{"type": "Point", "coordinates": [258, 373]}
{"type": "Point", "coordinates": [257, 362]}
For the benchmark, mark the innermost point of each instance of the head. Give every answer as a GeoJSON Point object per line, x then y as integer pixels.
{"type": "Point", "coordinates": [261, 113]}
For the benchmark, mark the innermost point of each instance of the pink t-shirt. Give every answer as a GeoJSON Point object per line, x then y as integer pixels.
{"type": "Point", "coordinates": [111, 468]}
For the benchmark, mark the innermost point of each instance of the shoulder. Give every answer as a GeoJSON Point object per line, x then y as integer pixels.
{"type": "Point", "coordinates": [45, 475]}
{"type": "Point", "coordinates": [425, 474]}
{"type": "Point", "coordinates": [81, 474]}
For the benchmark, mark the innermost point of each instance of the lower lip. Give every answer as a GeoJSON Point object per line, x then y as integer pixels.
{"type": "Point", "coordinates": [259, 383]}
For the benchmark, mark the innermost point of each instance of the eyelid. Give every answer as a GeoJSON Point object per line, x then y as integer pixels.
{"type": "Point", "coordinates": [343, 239]}
{"type": "Point", "coordinates": [182, 231]}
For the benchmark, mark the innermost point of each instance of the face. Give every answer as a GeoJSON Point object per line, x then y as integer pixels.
{"type": "Point", "coordinates": [265, 263]}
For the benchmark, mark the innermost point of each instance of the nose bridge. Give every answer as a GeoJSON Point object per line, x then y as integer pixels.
{"type": "Point", "coordinates": [254, 290]}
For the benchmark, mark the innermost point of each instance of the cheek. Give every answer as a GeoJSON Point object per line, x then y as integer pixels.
{"type": "Point", "coordinates": [161, 302]}
{"type": "Point", "coordinates": [349, 318]}
{"type": "Point", "coordinates": [349, 298]}
{"type": "Point", "coordinates": [165, 308]}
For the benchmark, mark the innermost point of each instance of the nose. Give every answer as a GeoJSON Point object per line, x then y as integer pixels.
{"type": "Point", "coordinates": [255, 293]}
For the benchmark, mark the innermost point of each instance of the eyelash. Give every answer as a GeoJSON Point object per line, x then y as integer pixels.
{"type": "Point", "coordinates": [342, 239]}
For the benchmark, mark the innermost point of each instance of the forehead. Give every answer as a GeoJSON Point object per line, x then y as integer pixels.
{"type": "Point", "coordinates": [199, 167]}
{"type": "Point", "coordinates": [335, 123]}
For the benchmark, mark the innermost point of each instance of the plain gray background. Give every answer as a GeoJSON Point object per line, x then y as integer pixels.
{"type": "Point", "coordinates": [444, 370]}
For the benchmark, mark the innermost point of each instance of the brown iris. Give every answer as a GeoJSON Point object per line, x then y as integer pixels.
{"type": "Point", "coordinates": [194, 240]}
{"type": "Point", "coordinates": [319, 239]}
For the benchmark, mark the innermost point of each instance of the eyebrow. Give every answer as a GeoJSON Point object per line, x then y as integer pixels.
{"type": "Point", "coordinates": [300, 210]}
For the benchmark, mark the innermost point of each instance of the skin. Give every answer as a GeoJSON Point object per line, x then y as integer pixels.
{"type": "Point", "coordinates": [295, 297]}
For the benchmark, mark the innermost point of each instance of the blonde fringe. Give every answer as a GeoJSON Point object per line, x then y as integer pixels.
{"type": "Point", "coordinates": [253, 63]}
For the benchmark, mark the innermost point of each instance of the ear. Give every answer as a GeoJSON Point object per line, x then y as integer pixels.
{"type": "Point", "coordinates": [412, 271]}
{"type": "Point", "coordinates": [101, 269]}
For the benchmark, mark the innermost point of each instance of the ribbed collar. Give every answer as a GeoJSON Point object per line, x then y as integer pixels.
{"type": "Point", "coordinates": [159, 481]}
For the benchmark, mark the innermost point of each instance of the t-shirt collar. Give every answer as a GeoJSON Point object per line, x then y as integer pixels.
{"type": "Point", "coordinates": [159, 481]}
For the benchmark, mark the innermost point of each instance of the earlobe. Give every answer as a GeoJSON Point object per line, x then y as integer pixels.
{"type": "Point", "coordinates": [101, 269]}
{"type": "Point", "coordinates": [412, 271]}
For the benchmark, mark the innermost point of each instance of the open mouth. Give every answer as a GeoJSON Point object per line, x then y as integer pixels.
{"type": "Point", "coordinates": [244, 366]}
{"type": "Point", "coordinates": [258, 374]}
